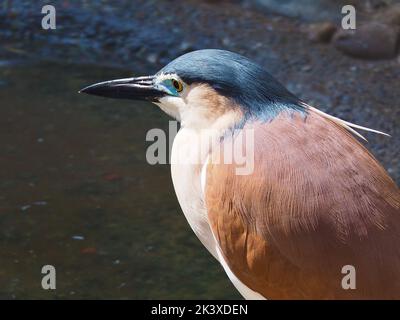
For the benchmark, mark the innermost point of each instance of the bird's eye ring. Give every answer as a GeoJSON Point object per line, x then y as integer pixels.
{"type": "Point", "coordinates": [177, 85]}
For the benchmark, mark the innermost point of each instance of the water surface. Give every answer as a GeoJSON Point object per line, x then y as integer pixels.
{"type": "Point", "coordinates": [76, 192]}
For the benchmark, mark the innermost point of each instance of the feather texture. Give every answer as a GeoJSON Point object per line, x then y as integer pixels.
{"type": "Point", "coordinates": [317, 201]}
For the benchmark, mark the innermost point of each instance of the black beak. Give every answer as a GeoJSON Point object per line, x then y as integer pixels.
{"type": "Point", "coordinates": [141, 88]}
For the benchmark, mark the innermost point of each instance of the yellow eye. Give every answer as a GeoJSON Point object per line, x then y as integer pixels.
{"type": "Point", "coordinates": [177, 85]}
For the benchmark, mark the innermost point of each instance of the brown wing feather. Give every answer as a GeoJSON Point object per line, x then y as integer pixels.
{"type": "Point", "coordinates": [316, 201]}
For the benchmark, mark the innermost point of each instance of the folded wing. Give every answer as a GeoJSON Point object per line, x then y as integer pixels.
{"type": "Point", "coordinates": [316, 202]}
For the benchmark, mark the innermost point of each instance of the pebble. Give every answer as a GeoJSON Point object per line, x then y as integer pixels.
{"type": "Point", "coordinates": [152, 58]}
{"type": "Point", "coordinates": [389, 15]}
{"type": "Point", "coordinates": [226, 41]}
{"type": "Point", "coordinates": [78, 237]}
{"type": "Point", "coordinates": [26, 207]}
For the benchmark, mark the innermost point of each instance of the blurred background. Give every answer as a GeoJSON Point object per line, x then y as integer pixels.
{"type": "Point", "coordinates": [76, 191]}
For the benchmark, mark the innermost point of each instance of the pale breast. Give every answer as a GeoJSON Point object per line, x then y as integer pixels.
{"type": "Point", "coordinates": [186, 178]}
{"type": "Point", "coordinates": [189, 181]}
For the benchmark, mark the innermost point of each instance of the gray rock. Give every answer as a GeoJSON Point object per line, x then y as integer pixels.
{"type": "Point", "coordinates": [389, 15]}
{"type": "Point", "coordinates": [310, 10]}
{"type": "Point", "coordinates": [152, 58]}
{"type": "Point", "coordinates": [374, 40]}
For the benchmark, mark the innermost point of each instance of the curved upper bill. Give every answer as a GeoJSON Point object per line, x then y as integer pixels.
{"type": "Point", "coordinates": [140, 88]}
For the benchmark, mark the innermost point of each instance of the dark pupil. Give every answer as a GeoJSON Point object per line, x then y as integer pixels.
{"type": "Point", "coordinates": [176, 84]}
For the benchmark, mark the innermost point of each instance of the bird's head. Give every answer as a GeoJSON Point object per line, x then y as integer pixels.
{"type": "Point", "coordinates": [199, 87]}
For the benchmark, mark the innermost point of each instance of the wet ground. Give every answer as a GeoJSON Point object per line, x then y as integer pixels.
{"type": "Point", "coordinates": [75, 189]}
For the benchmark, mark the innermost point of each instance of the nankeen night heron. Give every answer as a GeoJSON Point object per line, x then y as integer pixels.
{"type": "Point", "coordinates": [314, 202]}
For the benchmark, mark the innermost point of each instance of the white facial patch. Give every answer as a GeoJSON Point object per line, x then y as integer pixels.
{"type": "Point", "coordinates": [171, 106]}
